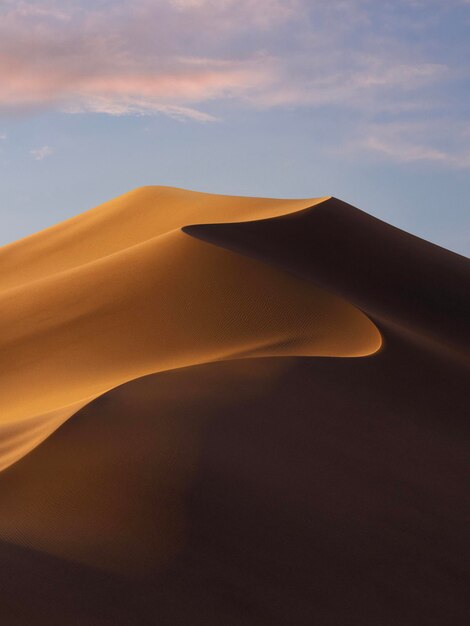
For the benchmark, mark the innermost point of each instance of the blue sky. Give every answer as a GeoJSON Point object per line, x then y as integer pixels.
{"type": "Point", "coordinates": [366, 101]}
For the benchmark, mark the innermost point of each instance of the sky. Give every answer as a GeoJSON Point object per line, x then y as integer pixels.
{"type": "Point", "coordinates": [368, 101]}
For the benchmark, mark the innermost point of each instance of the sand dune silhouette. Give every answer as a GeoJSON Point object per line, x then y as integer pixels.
{"type": "Point", "coordinates": [175, 447]}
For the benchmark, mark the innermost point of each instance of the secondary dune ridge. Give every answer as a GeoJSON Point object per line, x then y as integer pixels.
{"type": "Point", "coordinates": [210, 487]}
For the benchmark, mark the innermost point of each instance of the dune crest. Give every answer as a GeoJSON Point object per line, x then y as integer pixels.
{"type": "Point", "coordinates": [191, 483]}
{"type": "Point", "coordinates": [121, 292]}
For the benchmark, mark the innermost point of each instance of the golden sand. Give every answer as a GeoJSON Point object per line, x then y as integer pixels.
{"type": "Point", "coordinates": [121, 291]}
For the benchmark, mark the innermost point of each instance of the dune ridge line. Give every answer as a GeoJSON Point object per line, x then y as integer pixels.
{"type": "Point", "coordinates": [121, 291]}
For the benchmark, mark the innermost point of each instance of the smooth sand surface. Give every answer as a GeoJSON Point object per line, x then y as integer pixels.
{"type": "Point", "coordinates": [191, 483]}
{"type": "Point", "coordinates": [126, 221]}
{"type": "Point", "coordinates": [106, 298]}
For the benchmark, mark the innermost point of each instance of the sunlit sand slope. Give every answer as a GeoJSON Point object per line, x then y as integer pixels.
{"type": "Point", "coordinates": [126, 221]}
{"type": "Point", "coordinates": [192, 484]}
{"type": "Point", "coordinates": [121, 292]}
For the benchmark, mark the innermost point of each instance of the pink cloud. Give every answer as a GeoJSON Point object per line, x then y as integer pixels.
{"type": "Point", "coordinates": [177, 56]}
{"type": "Point", "coordinates": [78, 59]}
{"type": "Point", "coordinates": [127, 89]}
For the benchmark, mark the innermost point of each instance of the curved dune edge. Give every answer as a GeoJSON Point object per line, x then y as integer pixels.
{"type": "Point", "coordinates": [144, 437]}
{"type": "Point", "coordinates": [130, 308]}
{"type": "Point", "coordinates": [256, 491]}
{"type": "Point", "coordinates": [395, 278]}
{"type": "Point", "coordinates": [128, 220]}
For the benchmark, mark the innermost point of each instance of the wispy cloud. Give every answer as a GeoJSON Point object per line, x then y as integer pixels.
{"type": "Point", "coordinates": [406, 151]}
{"type": "Point", "coordinates": [128, 57]}
{"type": "Point", "coordinates": [41, 153]}
{"type": "Point", "coordinates": [442, 142]}
{"type": "Point", "coordinates": [178, 57]}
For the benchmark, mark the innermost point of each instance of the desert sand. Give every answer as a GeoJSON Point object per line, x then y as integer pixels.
{"type": "Point", "coordinates": [227, 410]}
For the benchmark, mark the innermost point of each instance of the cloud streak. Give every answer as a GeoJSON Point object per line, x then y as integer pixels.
{"type": "Point", "coordinates": [182, 58]}
{"type": "Point", "coordinates": [446, 143]}
{"type": "Point", "coordinates": [126, 57]}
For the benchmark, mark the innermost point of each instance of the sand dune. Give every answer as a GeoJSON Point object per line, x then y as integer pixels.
{"type": "Point", "coordinates": [126, 221]}
{"type": "Point", "coordinates": [78, 324]}
{"type": "Point", "coordinates": [190, 482]}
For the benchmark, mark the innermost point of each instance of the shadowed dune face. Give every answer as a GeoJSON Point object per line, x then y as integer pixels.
{"type": "Point", "coordinates": [119, 471]}
{"type": "Point", "coordinates": [391, 275]}
{"type": "Point", "coordinates": [260, 491]}
{"type": "Point", "coordinates": [164, 302]}
{"type": "Point", "coordinates": [131, 219]}
{"type": "Point", "coordinates": [195, 484]}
